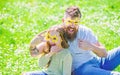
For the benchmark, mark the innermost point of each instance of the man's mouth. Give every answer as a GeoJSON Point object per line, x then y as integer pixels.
{"type": "Point", "coordinates": [71, 30]}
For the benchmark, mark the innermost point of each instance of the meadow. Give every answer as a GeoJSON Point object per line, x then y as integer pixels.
{"type": "Point", "coordinates": [21, 20]}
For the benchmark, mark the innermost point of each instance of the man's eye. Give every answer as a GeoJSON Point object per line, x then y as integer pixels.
{"type": "Point", "coordinates": [54, 38]}
{"type": "Point", "coordinates": [75, 22]}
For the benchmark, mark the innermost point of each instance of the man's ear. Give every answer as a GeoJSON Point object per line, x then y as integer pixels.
{"type": "Point", "coordinates": [62, 19]}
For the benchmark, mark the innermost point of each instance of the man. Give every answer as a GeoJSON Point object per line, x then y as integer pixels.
{"type": "Point", "coordinates": [84, 47]}
{"type": "Point", "coordinates": [89, 55]}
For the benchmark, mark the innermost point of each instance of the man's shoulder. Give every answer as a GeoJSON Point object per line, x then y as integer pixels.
{"type": "Point", "coordinates": [56, 26]}
{"type": "Point", "coordinates": [83, 28]}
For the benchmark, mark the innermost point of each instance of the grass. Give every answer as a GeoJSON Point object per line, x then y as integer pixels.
{"type": "Point", "coordinates": [21, 20]}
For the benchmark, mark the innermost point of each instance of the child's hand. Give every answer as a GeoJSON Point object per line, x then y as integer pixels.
{"type": "Point", "coordinates": [55, 49]}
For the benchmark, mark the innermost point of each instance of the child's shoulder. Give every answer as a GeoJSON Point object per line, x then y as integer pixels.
{"type": "Point", "coordinates": [64, 52]}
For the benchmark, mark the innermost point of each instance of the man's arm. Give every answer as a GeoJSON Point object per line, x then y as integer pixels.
{"type": "Point", "coordinates": [34, 42]}
{"type": "Point", "coordinates": [93, 44]}
{"type": "Point", "coordinates": [97, 48]}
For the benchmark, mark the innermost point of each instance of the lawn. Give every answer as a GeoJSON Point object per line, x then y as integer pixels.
{"type": "Point", "coordinates": [21, 20]}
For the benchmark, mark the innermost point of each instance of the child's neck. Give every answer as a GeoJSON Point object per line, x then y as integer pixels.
{"type": "Point", "coordinates": [59, 46]}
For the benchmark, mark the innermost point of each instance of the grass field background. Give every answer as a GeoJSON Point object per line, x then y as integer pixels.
{"type": "Point", "coordinates": [21, 20]}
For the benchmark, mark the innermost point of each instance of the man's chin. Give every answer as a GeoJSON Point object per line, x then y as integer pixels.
{"type": "Point", "coordinates": [70, 33]}
{"type": "Point", "coordinates": [71, 36]}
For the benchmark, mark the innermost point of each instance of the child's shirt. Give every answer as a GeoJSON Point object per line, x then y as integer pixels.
{"type": "Point", "coordinates": [61, 63]}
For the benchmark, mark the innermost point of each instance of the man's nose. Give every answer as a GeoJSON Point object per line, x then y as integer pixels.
{"type": "Point", "coordinates": [72, 25]}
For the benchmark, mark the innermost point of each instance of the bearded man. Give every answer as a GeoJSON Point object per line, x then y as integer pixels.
{"type": "Point", "coordinates": [89, 55]}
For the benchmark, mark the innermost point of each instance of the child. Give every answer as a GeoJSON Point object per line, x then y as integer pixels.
{"type": "Point", "coordinates": [54, 55]}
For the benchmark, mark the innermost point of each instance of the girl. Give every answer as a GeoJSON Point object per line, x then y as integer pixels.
{"type": "Point", "coordinates": [54, 55]}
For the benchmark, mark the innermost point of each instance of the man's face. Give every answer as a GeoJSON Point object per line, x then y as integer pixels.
{"type": "Point", "coordinates": [71, 27]}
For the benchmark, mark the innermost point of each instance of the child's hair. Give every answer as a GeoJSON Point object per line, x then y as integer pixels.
{"type": "Point", "coordinates": [64, 43]}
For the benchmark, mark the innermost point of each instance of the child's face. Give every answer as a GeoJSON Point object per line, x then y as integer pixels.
{"type": "Point", "coordinates": [53, 37]}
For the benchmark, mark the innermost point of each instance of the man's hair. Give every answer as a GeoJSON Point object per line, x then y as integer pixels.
{"type": "Point", "coordinates": [73, 12]}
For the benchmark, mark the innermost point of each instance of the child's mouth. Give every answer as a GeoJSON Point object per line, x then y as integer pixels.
{"type": "Point", "coordinates": [53, 44]}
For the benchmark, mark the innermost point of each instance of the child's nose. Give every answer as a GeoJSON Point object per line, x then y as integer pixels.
{"type": "Point", "coordinates": [51, 42]}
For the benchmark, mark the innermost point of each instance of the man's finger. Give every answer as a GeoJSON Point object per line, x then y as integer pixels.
{"type": "Point", "coordinates": [80, 40]}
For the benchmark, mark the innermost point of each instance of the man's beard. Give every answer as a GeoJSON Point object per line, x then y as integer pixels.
{"type": "Point", "coordinates": [71, 36]}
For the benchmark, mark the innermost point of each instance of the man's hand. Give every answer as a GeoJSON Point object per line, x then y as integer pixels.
{"type": "Point", "coordinates": [85, 45]}
{"type": "Point", "coordinates": [97, 48]}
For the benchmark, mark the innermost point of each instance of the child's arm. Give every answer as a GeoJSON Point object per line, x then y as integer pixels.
{"type": "Point", "coordinates": [45, 59]}
{"type": "Point", "coordinates": [67, 64]}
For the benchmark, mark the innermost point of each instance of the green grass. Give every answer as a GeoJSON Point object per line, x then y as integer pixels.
{"type": "Point", "coordinates": [21, 20]}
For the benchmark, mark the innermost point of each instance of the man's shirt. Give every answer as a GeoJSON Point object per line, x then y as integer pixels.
{"type": "Point", "coordinates": [79, 55]}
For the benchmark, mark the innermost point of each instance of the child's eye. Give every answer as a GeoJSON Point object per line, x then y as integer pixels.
{"type": "Point", "coordinates": [54, 38]}
{"type": "Point", "coordinates": [69, 21]}
{"type": "Point", "coordinates": [48, 36]}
